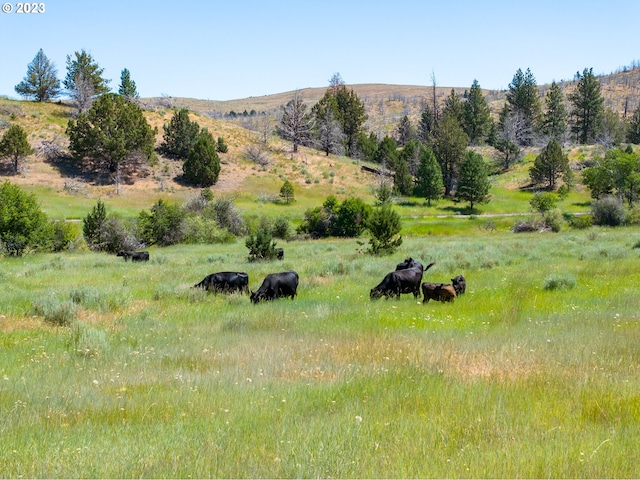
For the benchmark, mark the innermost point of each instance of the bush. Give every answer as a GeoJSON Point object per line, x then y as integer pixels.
{"type": "Point", "coordinates": [55, 312]}
{"type": "Point", "coordinates": [281, 228]}
{"type": "Point", "coordinates": [553, 219]}
{"type": "Point", "coordinates": [383, 225]}
{"type": "Point", "coordinates": [63, 235]}
{"type": "Point", "coordinates": [607, 211]}
{"type": "Point", "coordinates": [559, 282]}
{"type": "Point", "coordinates": [262, 246]}
{"type": "Point", "coordinates": [581, 222]}
{"type": "Point", "coordinates": [163, 226]}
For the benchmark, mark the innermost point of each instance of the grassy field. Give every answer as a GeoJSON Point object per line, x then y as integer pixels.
{"type": "Point", "coordinates": [114, 369]}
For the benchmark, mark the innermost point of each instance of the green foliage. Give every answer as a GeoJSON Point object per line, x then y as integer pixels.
{"type": "Point", "coordinates": [346, 219]}
{"type": "Point", "coordinates": [524, 105]}
{"type": "Point", "coordinates": [402, 179]}
{"type": "Point", "coordinates": [543, 201]}
{"type": "Point", "coordinates": [617, 173]}
{"type": "Point", "coordinates": [162, 225]}
{"type": "Point", "coordinates": [93, 225]}
{"type": "Point", "coordinates": [383, 194]}
{"type": "Point", "coordinates": [202, 166]}
{"type": "Point", "coordinates": [557, 281]}
{"type": "Point", "coordinates": [63, 234]}
{"type": "Point", "coordinates": [14, 144]}
{"type": "Point", "coordinates": [261, 244]}
{"type": "Point", "coordinates": [41, 82]}
{"type": "Point", "coordinates": [633, 127]}
{"type": "Point", "coordinates": [581, 222]}
{"type": "Point", "coordinates": [55, 312]}
{"type": "Point", "coordinates": [553, 219]}
{"type": "Point", "coordinates": [607, 211]}
{"type": "Point", "coordinates": [367, 146]}
{"type": "Point", "coordinates": [549, 165]}
{"type": "Point", "coordinates": [476, 115]}
{"type": "Point", "coordinates": [383, 226]}
{"type": "Point", "coordinates": [287, 193]}
{"type": "Point", "coordinates": [428, 177]}
{"type": "Point", "coordinates": [281, 228]}
{"type": "Point", "coordinates": [221, 146]}
{"type": "Point", "coordinates": [85, 67]}
{"type": "Point", "coordinates": [112, 132]}
{"type": "Point", "coordinates": [449, 145]}
{"type": "Point", "coordinates": [587, 107]}
{"type": "Point", "coordinates": [351, 115]}
{"type": "Point", "coordinates": [23, 225]}
{"type": "Point", "coordinates": [387, 152]}
{"type": "Point", "coordinates": [180, 135]}
{"type": "Point", "coordinates": [473, 183]}
{"type": "Point", "coordinates": [127, 86]}
{"type": "Point", "coordinates": [554, 121]}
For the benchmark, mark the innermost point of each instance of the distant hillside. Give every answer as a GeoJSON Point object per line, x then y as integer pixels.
{"type": "Point", "coordinates": [387, 104]}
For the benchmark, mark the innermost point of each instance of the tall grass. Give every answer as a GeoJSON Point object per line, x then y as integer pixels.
{"type": "Point", "coordinates": [154, 378]}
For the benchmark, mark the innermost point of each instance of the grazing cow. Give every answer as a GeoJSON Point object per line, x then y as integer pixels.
{"type": "Point", "coordinates": [439, 292]}
{"type": "Point", "coordinates": [277, 285]}
{"type": "Point", "coordinates": [134, 256]}
{"type": "Point", "coordinates": [459, 284]}
{"type": "Point", "coordinates": [405, 279]}
{"type": "Point", "coordinates": [280, 253]}
{"type": "Point", "coordinates": [225, 282]}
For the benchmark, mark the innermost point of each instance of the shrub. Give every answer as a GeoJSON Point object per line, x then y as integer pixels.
{"type": "Point", "coordinates": [383, 225]}
{"type": "Point", "coordinates": [262, 246]}
{"type": "Point", "coordinates": [163, 226]}
{"type": "Point", "coordinates": [607, 211]}
{"type": "Point", "coordinates": [543, 201]}
{"type": "Point", "coordinates": [63, 235]}
{"type": "Point", "coordinates": [553, 219]}
{"type": "Point", "coordinates": [281, 228]}
{"type": "Point", "coordinates": [581, 222]}
{"type": "Point", "coordinates": [286, 192]}
{"type": "Point", "coordinates": [557, 281]}
{"type": "Point", "coordinates": [55, 312]}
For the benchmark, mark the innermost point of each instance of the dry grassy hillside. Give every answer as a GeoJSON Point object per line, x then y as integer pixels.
{"type": "Point", "coordinates": [385, 104]}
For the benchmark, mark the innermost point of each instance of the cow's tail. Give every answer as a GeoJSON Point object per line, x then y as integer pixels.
{"type": "Point", "coordinates": [429, 266]}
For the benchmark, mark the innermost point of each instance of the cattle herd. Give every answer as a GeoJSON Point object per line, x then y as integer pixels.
{"type": "Point", "coordinates": [406, 278]}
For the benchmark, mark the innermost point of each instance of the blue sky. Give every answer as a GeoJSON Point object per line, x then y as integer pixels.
{"type": "Point", "coordinates": [231, 49]}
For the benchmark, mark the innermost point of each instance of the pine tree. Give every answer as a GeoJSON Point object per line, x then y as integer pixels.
{"type": "Point", "coordinates": [180, 135]}
{"type": "Point", "coordinates": [112, 132]}
{"type": "Point", "coordinates": [41, 82]}
{"type": "Point", "coordinates": [84, 64]}
{"type": "Point", "coordinates": [405, 131]}
{"type": "Point", "coordinates": [633, 129]}
{"type": "Point", "coordinates": [523, 101]}
{"type": "Point", "coordinates": [127, 86]}
{"type": "Point", "coordinates": [286, 192]}
{"type": "Point", "coordinates": [93, 225]}
{"type": "Point", "coordinates": [429, 177]}
{"type": "Point", "coordinates": [449, 145]}
{"type": "Point", "coordinates": [588, 107]}
{"type": "Point", "coordinates": [454, 107]}
{"type": "Point", "coordinates": [351, 115]}
{"type": "Point", "coordinates": [473, 184]}
{"type": "Point", "coordinates": [554, 121]}
{"type": "Point", "coordinates": [549, 165]}
{"type": "Point", "coordinates": [296, 124]}
{"type": "Point", "coordinates": [202, 165]}
{"type": "Point", "coordinates": [14, 145]}
{"type": "Point", "coordinates": [383, 225]}
{"type": "Point", "coordinates": [476, 115]}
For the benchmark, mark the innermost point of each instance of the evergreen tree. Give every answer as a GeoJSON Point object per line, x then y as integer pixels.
{"type": "Point", "coordinates": [554, 121]}
{"type": "Point", "coordinates": [522, 98]}
{"type": "Point", "coordinates": [507, 142]}
{"type": "Point", "coordinates": [296, 124]}
{"type": "Point", "coordinates": [588, 107]}
{"type": "Point", "coordinates": [402, 178]}
{"type": "Point", "coordinates": [473, 185]}
{"type": "Point", "coordinates": [41, 82]}
{"type": "Point", "coordinates": [262, 245]}
{"type": "Point", "coordinates": [349, 218]}
{"type": "Point", "coordinates": [180, 135]}
{"type": "Point", "coordinates": [85, 67]}
{"type": "Point", "coordinates": [476, 115]}
{"type": "Point", "coordinates": [426, 126]}
{"type": "Point", "coordinates": [14, 145]}
{"type": "Point", "coordinates": [549, 165]}
{"type": "Point", "coordinates": [617, 173]}
{"type": "Point", "coordinates": [405, 131]}
{"type": "Point", "coordinates": [162, 225]}
{"type": "Point", "coordinates": [351, 115]}
{"type": "Point", "coordinates": [387, 152]}
{"type": "Point", "coordinates": [449, 145]}
{"type": "Point", "coordinates": [202, 165]}
{"type": "Point", "coordinates": [454, 107]}
{"type": "Point", "coordinates": [328, 134]}
{"type": "Point", "coordinates": [287, 193]}
{"type": "Point", "coordinates": [429, 177]}
{"type": "Point", "coordinates": [23, 224]}
{"type": "Point", "coordinates": [367, 146]}
{"type": "Point", "coordinates": [633, 128]}
{"type": "Point", "coordinates": [383, 225]}
{"type": "Point", "coordinates": [127, 86]}
{"type": "Point", "coordinates": [112, 132]}
{"type": "Point", "coordinates": [221, 146]}
{"type": "Point", "coordinates": [93, 225]}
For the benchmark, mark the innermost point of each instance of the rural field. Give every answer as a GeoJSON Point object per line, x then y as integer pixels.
{"type": "Point", "coordinates": [118, 369]}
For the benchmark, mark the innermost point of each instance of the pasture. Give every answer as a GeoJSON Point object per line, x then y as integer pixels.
{"type": "Point", "coordinates": [119, 369]}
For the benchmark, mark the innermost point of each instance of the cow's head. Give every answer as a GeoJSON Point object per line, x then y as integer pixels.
{"type": "Point", "coordinates": [375, 293]}
{"type": "Point", "coordinates": [256, 297]}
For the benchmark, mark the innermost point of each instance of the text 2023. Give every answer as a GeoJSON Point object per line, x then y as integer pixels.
{"type": "Point", "coordinates": [30, 8]}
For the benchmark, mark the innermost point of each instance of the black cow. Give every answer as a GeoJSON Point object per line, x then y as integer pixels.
{"type": "Point", "coordinates": [134, 256]}
{"type": "Point", "coordinates": [459, 284]}
{"type": "Point", "coordinates": [225, 282]}
{"type": "Point", "coordinates": [277, 285]}
{"type": "Point", "coordinates": [405, 279]}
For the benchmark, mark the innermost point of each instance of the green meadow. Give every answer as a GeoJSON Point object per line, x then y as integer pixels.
{"type": "Point", "coordinates": [112, 369]}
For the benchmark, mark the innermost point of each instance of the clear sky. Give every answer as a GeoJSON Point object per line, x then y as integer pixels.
{"type": "Point", "coordinates": [231, 49]}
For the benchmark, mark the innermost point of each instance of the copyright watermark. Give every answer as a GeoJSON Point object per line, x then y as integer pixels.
{"type": "Point", "coordinates": [34, 7]}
